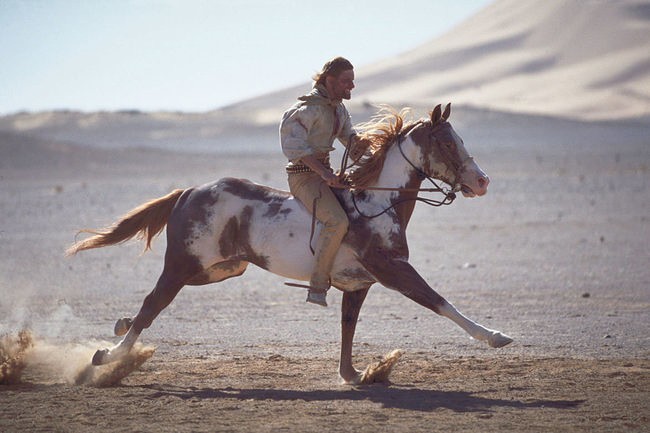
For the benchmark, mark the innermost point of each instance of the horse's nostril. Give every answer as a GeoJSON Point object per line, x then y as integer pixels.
{"type": "Point", "coordinates": [483, 182]}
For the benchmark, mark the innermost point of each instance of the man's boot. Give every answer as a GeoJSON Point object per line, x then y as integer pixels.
{"type": "Point", "coordinates": [318, 298]}
{"type": "Point", "coordinates": [326, 249]}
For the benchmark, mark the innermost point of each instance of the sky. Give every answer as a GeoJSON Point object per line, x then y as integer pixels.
{"type": "Point", "coordinates": [196, 55]}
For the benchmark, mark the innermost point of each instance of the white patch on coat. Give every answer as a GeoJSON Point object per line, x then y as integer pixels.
{"type": "Point", "coordinates": [396, 170]}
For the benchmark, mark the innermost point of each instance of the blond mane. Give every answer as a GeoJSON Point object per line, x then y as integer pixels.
{"type": "Point", "coordinates": [382, 130]}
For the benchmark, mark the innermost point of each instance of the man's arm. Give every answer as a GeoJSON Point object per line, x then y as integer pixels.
{"type": "Point", "coordinates": [326, 173]}
{"type": "Point", "coordinates": [294, 130]}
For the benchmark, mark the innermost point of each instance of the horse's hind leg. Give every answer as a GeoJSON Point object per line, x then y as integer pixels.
{"type": "Point", "coordinates": [168, 286]}
{"type": "Point", "coordinates": [122, 326]}
{"type": "Point", "coordinates": [214, 274]}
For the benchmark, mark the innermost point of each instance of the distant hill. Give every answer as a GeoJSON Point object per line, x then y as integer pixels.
{"type": "Point", "coordinates": [575, 59]}
{"type": "Point", "coordinates": [581, 59]}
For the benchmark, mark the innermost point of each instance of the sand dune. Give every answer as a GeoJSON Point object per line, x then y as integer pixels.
{"type": "Point", "coordinates": [574, 59]}
{"type": "Point", "coordinates": [583, 60]}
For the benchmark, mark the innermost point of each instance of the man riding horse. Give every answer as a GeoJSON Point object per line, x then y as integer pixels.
{"type": "Point", "coordinates": [307, 133]}
{"type": "Point", "coordinates": [214, 231]}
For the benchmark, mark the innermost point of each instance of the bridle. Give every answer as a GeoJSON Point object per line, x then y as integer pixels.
{"type": "Point", "coordinates": [449, 194]}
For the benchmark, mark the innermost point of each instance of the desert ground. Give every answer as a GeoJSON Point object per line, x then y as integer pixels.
{"type": "Point", "coordinates": [555, 255]}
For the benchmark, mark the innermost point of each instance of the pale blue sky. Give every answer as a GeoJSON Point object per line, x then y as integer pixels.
{"type": "Point", "coordinates": [195, 55]}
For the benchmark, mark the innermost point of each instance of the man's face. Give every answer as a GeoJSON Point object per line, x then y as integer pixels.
{"type": "Point", "coordinates": [341, 86]}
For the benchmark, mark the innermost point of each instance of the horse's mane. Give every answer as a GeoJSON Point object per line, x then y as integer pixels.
{"type": "Point", "coordinates": [383, 130]}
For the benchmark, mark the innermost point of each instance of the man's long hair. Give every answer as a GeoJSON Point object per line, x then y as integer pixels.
{"type": "Point", "coordinates": [332, 68]}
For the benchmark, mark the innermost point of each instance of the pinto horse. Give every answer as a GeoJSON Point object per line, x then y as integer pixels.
{"type": "Point", "coordinates": [215, 230]}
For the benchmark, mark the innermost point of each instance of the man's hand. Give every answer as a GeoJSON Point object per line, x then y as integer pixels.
{"type": "Point", "coordinates": [325, 173]}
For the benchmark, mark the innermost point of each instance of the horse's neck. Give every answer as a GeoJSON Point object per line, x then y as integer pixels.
{"type": "Point", "coordinates": [399, 173]}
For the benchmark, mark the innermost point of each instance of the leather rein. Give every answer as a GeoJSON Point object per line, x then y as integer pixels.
{"type": "Point", "coordinates": [449, 195]}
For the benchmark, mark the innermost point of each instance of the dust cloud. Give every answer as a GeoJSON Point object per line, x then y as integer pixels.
{"type": "Point", "coordinates": [378, 372]}
{"type": "Point", "coordinates": [24, 354]}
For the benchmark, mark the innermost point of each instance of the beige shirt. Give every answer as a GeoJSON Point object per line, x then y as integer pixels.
{"type": "Point", "coordinates": [310, 126]}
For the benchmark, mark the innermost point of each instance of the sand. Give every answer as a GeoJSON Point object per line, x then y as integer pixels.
{"type": "Point", "coordinates": [556, 256]}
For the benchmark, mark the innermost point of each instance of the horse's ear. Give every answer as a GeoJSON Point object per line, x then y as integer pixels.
{"type": "Point", "coordinates": [447, 112]}
{"type": "Point", "coordinates": [435, 115]}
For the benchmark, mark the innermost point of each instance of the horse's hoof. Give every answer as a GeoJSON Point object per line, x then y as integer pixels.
{"type": "Point", "coordinates": [497, 339]}
{"type": "Point", "coordinates": [99, 358]}
{"type": "Point", "coordinates": [351, 378]}
{"type": "Point", "coordinates": [122, 326]}
{"type": "Point", "coordinates": [354, 381]}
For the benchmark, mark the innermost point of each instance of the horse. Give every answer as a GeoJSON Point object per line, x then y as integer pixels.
{"type": "Point", "coordinates": [214, 231]}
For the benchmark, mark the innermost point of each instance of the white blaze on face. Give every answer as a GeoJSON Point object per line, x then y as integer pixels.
{"type": "Point", "coordinates": [473, 180]}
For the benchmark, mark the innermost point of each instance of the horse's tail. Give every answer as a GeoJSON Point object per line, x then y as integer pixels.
{"type": "Point", "coordinates": [146, 221]}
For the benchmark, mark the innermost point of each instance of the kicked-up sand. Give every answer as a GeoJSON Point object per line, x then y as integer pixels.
{"type": "Point", "coordinates": [555, 255]}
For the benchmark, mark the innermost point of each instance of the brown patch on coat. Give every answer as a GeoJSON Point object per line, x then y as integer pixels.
{"type": "Point", "coordinates": [234, 242]}
{"type": "Point", "coordinates": [251, 191]}
{"type": "Point", "coordinates": [219, 272]}
{"type": "Point", "coordinates": [247, 190]}
{"type": "Point", "coordinates": [440, 147]}
{"type": "Point", "coordinates": [353, 279]}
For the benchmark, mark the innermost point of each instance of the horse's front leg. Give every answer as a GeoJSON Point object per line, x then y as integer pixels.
{"type": "Point", "coordinates": [401, 276]}
{"type": "Point", "coordinates": [350, 307]}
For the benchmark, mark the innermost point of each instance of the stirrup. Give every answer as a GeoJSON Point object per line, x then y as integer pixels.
{"type": "Point", "coordinates": [314, 295]}
{"type": "Point", "coordinates": [318, 298]}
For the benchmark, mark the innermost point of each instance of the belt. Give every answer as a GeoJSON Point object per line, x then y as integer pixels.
{"type": "Point", "coordinates": [293, 168]}
{"type": "Point", "coordinates": [298, 168]}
